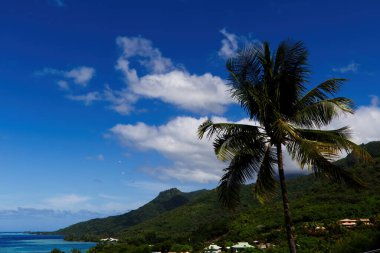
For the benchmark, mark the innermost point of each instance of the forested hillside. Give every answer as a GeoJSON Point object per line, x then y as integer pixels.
{"type": "Point", "coordinates": [197, 218]}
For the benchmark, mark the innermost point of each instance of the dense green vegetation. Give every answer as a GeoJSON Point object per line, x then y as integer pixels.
{"type": "Point", "coordinates": [111, 226]}
{"type": "Point", "coordinates": [314, 202]}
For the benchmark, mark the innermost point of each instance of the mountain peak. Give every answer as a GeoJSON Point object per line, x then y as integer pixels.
{"type": "Point", "coordinates": [169, 193]}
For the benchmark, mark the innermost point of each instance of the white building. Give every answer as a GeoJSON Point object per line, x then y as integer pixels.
{"type": "Point", "coordinates": [213, 248]}
{"type": "Point", "coordinates": [109, 240]}
{"type": "Point", "coordinates": [241, 245]}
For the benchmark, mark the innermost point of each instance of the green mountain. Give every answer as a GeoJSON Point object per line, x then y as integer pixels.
{"type": "Point", "coordinates": [195, 218]}
{"type": "Point", "coordinates": [111, 226]}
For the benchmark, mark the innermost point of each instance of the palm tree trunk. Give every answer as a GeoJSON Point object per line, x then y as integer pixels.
{"type": "Point", "coordinates": [285, 201]}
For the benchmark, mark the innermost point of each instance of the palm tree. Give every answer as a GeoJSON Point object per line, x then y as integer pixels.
{"type": "Point", "coordinates": [271, 87]}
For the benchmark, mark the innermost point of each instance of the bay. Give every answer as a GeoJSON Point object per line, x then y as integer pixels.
{"type": "Point", "coordinates": [32, 243]}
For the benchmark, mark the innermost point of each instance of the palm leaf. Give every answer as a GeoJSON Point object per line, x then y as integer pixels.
{"type": "Point", "coordinates": [338, 139]}
{"type": "Point", "coordinates": [244, 166]}
{"type": "Point", "coordinates": [310, 155]}
{"type": "Point", "coordinates": [266, 183]}
{"type": "Point", "coordinates": [322, 112]}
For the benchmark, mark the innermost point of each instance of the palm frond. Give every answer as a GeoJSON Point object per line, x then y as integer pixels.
{"type": "Point", "coordinates": [244, 166]}
{"type": "Point", "coordinates": [322, 91]}
{"type": "Point", "coordinates": [322, 112]}
{"type": "Point", "coordinates": [310, 155]}
{"type": "Point", "coordinates": [231, 138]}
{"type": "Point", "coordinates": [266, 183]}
{"type": "Point", "coordinates": [245, 67]}
{"type": "Point", "coordinates": [290, 72]}
{"type": "Point", "coordinates": [338, 139]}
{"type": "Point", "coordinates": [212, 129]}
{"type": "Point", "coordinates": [247, 95]}
{"type": "Point", "coordinates": [245, 78]}
{"type": "Point", "coordinates": [228, 144]}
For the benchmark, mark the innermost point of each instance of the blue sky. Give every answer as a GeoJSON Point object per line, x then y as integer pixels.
{"type": "Point", "coordinates": [100, 100]}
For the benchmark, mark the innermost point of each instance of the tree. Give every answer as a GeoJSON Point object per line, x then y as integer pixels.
{"type": "Point", "coordinates": [271, 87]}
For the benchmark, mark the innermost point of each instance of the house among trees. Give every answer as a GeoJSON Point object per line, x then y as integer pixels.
{"type": "Point", "coordinates": [353, 222]}
{"type": "Point", "coordinates": [109, 240]}
{"type": "Point", "coordinates": [241, 246]}
{"type": "Point", "coordinates": [213, 248]}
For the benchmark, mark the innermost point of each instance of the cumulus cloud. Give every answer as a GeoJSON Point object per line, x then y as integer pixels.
{"type": "Point", "coordinates": [151, 57]}
{"type": "Point", "coordinates": [164, 81]}
{"type": "Point", "coordinates": [177, 140]}
{"type": "Point", "coordinates": [66, 201]}
{"type": "Point", "coordinates": [64, 85]}
{"type": "Point", "coordinates": [121, 100]}
{"type": "Point", "coordinates": [81, 75]}
{"type": "Point", "coordinates": [351, 67]}
{"type": "Point", "coordinates": [148, 74]}
{"type": "Point", "coordinates": [230, 44]}
{"type": "Point", "coordinates": [87, 99]}
{"type": "Point", "coordinates": [364, 123]}
{"type": "Point", "coordinates": [200, 93]}
{"type": "Point", "coordinates": [192, 159]}
{"type": "Point", "coordinates": [42, 219]}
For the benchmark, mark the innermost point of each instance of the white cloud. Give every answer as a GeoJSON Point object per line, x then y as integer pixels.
{"type": "Point", "coordinates": [107, 196]}
{"type": "Point", "coordinates": [375, 101]}
{"type": "Point", "coordinates": [49, 71]}
{"type": "Point", "coordinates": [64, 85]}
{"type": "Point", "coordinates": [87, 99]}
{"type": "Point", "coordinates": [164, 81]}
{"type": "Point", "coordinates": [204, 93]}
{"type": "Point", "coordinates": [151, 57]}
{"type": "Point", "coordinates": [364, 123]}
{"type": "Point", "coordinates": [193, 159]}
{"type": "Point", "coordinates": [80, 75]}
{"type": "Point", "coordinates": [230, 45]}
{"type": "Point", "coordinates": [121, 101]}
{"type": "Point", "coordinates": [351, 67]}
{"type": "Point", "coordinates": [42, 219]}
{"type": "Point", "coordinates": [159, 79]}
{"type": "Point", "coordinates": [66, 201]}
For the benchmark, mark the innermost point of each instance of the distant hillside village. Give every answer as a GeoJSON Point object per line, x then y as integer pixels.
{"type": "Point", "coordinates": [244, 246]}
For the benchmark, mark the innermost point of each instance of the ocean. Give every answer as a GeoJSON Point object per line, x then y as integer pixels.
{"type": "Point", "coordinates": [30, 243]}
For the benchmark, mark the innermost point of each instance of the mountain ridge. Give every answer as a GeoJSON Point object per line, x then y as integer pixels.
{"type": "Point", "coordinates": [109, 226]}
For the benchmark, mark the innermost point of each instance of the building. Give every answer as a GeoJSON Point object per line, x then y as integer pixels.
{"type": "Point", "coordinates": [240, 246]}
{"type": "Point", "coordinates": [353, 222]}
{"type": "Point", "coordinates": [109, 240]}
{"type": "Point", "coordinates": [213, 248]}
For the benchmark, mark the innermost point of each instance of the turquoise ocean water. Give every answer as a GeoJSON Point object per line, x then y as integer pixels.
{"type": "Point", "coordinates": [29, 243]}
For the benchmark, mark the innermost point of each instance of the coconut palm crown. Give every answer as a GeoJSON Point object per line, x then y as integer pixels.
{"type": "Point", "coordinates": [271, 87]}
